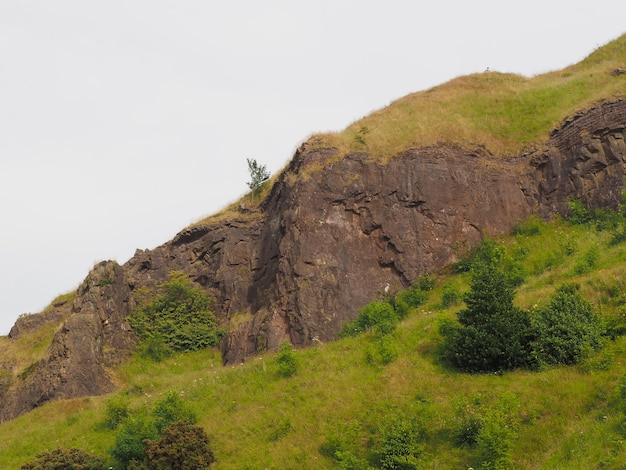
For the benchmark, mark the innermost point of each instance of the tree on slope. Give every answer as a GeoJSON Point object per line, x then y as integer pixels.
{"type": "Point", "coordinates": [492, 334]}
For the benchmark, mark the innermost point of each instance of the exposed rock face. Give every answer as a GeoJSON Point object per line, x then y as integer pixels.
{"type": "Point", "coordinates": [332, 233]}
{"type": "Point", "coordinates": [93, 337]}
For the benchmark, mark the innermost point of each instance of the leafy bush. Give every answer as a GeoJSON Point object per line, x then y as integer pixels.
{"type": "Point", "coordinates": [566, 328]}
{"type": "Point", "coordinates": [401, 444]}
{"type": "Point", "coordinates": [579, 214]}
{"type": "Point", "coordinates": [62, 459]}
{"type": "Point", "coordinates": [603, 218]}
{"type": "Point", "coordinates": [287, 360]}
{"type": "Point", "coordinates": [409, 298]}
{"type": "Point", "coordinates": [379, 316]}
{"type": "Point", "coordinates": [171, 409]}
{"type": "Point", "coordinates": [179, 316]}
{"type": "Point", "coordinates": [183, 446]}
{"type": "Point", "coordinates": [490, 253]}
{"type": "Point", "coordinates": [129, 439]}
{"type": "Point", "coordinates": [492, 334]}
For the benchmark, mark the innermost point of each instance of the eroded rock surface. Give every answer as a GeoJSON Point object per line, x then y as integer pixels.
{"type": "Point", "coordinates": [333, 233]}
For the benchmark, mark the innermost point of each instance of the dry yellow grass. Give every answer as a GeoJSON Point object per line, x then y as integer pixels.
{"type": "Point", "coordinates": [504, 112]}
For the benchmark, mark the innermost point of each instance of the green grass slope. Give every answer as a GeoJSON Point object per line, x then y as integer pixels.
{"type": "Point", "coordinates": [345, 395]}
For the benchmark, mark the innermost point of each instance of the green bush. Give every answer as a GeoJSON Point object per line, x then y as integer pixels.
{"type": "Point", "coordinates": [62, 459]}
{"type": "Point", "coordinates": [566, 328]}
{"type": "Point", "coordinates": [183, 446]}
{"type": "Point", "coordinates": [491, 253]}
{"type": "Point", "coordinates": [492, 334]}
{"type": "Point", "coordinates": [379, 316]}
{"type": "Point", "coordinates": [409, 298]}
{"type": "Point", "coordinates": [178, 317]}
{"type": "Point", "coordinates": [171, 409]}
{"type": "Point", "coordinates": [128, 444]}
{"type": "Point", "coordinates": [287, 360]}
{"type": "Point", "coordinates": [579, 214]}
{"type": "Point", "coordinates": [401, 444]}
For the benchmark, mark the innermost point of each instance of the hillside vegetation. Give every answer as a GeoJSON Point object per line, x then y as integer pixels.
{"type": "Point", "coordinates": [384, 395]}
{"type": "Point", "coordinates": [346, 400]}
{"type": "Point", "coordinates": [506, 113]}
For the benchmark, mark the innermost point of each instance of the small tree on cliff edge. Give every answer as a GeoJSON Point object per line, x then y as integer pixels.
{"type": "Point", "coordinates": [258, 174]}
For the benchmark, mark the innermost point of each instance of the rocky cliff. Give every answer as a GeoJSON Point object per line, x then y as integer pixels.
{"type": "Point", "coordinates": [334, 231]}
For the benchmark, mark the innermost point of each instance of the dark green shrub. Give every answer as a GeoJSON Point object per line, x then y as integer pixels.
{"type": "Point", "coordinates": [409, 298]}
{"type": "Point", "coordinates": [492, 334]}
{"type": "Point", "coordinates": [287, 360]}
{"type": "Point", "coordinates": [490, 253]}
{"type": "Point", "coordinates": [129, 440]}
{"type": "Point", "coordinates": [379, 316]}
{"type": "Point", "coordinates": [171, 409]}
{"type": "Point", "coordinates": [62, 459]}
{"type": "Point", "coordinates": [566, 329]}
{"type": "Point", "coordinates": [183, 446]}
{"type": "Point", "coordinates": [179, 316]}
{"type": "Point", "coordinates": [401, 444]}
{"type": "Point", "coordinates": [579, 214]}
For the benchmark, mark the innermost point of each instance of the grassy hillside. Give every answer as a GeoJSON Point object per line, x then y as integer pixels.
{"type": "Point", "coordinates": [347, 394]}
{"type": "Point", "coordinates": [504, 112]}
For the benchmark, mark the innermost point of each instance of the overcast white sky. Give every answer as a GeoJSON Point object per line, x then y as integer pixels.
{"type": "Point", "coordinates": [122, 121]}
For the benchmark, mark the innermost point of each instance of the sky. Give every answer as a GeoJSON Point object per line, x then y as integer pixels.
{"type": "Point", "coordinates": [122, 122]}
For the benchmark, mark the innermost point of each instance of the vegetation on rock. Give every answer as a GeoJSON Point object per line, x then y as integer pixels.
{"type": "Point", "coordinates": [178, 318]}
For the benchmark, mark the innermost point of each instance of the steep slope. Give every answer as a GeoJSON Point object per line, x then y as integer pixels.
{"type": "Point", "coordinates": [341, 223]}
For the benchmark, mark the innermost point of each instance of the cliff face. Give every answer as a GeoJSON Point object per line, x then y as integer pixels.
{"type": "Point", "coordinates": [331, 234]}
